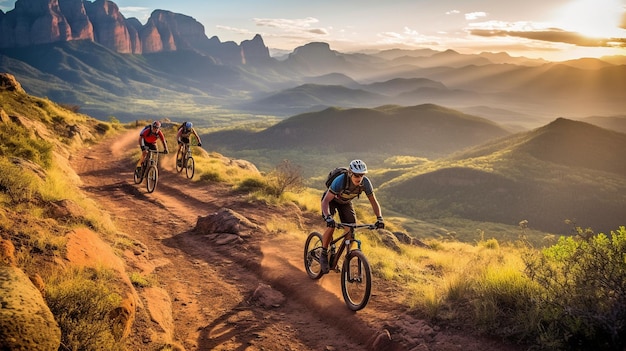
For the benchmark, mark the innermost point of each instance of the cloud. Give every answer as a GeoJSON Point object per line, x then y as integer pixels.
{"type": "Point", "coordinates": [475, 15]}
{"type": "Point", "coordinates": [540, 31]}
{"type": "Point", "coordinates": [291, 27]}
{"type": "Point", "coordinates": [553, 35]}
{"type": "Point", "coordinates": [234, 30]}
{"type": "Point", "coordinates": [408, 37]}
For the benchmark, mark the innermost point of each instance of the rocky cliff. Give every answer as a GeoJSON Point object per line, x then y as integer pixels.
{"type": "Point", "coordinates": [34, 22]}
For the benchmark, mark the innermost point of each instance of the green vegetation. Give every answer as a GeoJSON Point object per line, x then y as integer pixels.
{"type": "Point", "coordinates": [505, 280]}
{"type": "Point", "coordinates": [81, 301]}
{"type": "Point", "coordinates": [568, 296]}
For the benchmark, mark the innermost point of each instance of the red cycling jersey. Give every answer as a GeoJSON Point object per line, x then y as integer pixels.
{"type": "Point", "coordinates": [151, 138]}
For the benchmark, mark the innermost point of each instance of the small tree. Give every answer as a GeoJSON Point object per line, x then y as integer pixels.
{"type": "Point", "coordinates": [285, 176]}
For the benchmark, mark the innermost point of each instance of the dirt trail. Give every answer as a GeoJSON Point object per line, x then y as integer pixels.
{"type": "Point", "coordinates": [202, 296]}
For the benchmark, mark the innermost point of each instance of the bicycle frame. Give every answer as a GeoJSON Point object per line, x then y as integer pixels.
{"type": "Point", "coordinates": [152, 158]}
{"type": "Point", "coordinates": [346, 239]}
{"type": "Point", "coordinates": [184, 160]}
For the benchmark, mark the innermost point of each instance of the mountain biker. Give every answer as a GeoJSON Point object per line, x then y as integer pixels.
{"type": "Point", "coordinates": [338, 198]}
{"type": "Point", "coordinates": [183, 134]}
{"type": "Point", "coordinates": [148, 138]}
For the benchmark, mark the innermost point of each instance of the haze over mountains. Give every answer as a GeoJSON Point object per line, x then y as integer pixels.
{"type": "Point", "coordinates": [113, 66]}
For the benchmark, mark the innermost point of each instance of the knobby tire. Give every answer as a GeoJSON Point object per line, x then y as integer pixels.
{"type": "Point", "coordinates": [356, 280]}
{"type": "Point", "coordinates": [190, 167]}
{"type": "Point", "coordinates": [312, 252]}
{"type": "Point", "coordinates": [152, 178]}
{"type": "Point", "coordinates": [138, 176]}
{"type": "Point", "coordinates": [179, 160]}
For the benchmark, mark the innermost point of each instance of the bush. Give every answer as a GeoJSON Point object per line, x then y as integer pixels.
{"type": "Point", "coordinates": [583, 301]}
{"type": "Point", "coordinates": [15, 182]}
{"type": "Point", "coordinates": [81, 306]}
{"type": "Point", "coordinates": [16, 141]}
{"type": "Point", "coordinates": [211, 177]}
{"type": "Point", "coordinates": [251, 184]}
{"type": "Point", "coordinates": [286, 176]}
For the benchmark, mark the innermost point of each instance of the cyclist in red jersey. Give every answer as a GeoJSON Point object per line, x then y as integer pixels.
{"type": "Point", "coordinates": [148, 138]}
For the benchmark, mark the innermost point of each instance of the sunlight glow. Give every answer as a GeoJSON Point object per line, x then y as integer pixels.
{"type": "Point", "coordinates": [592, 18]}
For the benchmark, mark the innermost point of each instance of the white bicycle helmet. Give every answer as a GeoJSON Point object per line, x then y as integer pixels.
{"type": "Point", "coordinates": [358, 166]}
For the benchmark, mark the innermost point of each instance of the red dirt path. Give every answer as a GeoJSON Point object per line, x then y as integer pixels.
{"type": "Point", "coordinates": [202, 296]}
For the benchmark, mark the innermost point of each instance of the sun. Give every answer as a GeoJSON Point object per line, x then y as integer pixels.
{"type": "Point", "coordinates": [592, 18]}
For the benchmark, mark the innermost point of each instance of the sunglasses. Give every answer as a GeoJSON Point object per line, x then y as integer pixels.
{"type": "Point", "coordinates": [356, 175]}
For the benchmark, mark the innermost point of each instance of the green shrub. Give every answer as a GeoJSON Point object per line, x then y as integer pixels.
{"type": "Point", "coordinates": [504, 306]}
{"type": "Point", "coordinates": [584, 291]}
{"type": "Point", "coordinates": [211, 177]}
{"type": "Point", "coordinates": [16, 141]}
{"type": "Point", "coordinates": [252, 184]}
{"type": "Point", "coordinates": [81, 302]}
{"type": "Point", "coordinates": [15, 182]}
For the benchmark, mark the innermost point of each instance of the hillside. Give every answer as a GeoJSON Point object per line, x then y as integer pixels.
{"type": "Point", "coordinates": [424, 130]}
{"type": "Point", "coordinates": [566, 170]}
{"type": "Point", "coordinates": [126, 270]}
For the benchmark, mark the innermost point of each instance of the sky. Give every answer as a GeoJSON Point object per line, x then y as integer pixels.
{"type": "Point", "coordinates": [550, 29]}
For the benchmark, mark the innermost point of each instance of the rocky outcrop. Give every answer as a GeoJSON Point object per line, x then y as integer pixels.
{"type": "Point", "coordinates": [109, 26]}
{"type": "Point", "coordinates": [8, 82]}
{"type": "Point", "coordinates": [47, 21]}
{"type": "Point", "coordinates": [76, 15]}
{"type": "Point", "coordinates": [254, 51]}
{"type": "Point", "coordinates": [225, 227]}
{"type": "Point", "coordinates": [26, 322]}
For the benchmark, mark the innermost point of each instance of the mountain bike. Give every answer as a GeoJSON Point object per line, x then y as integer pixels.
{"type": "Point", "coordinates": [149, 170]}
{"type": "Point", "coordinates": [356, 274]}
{"type": "Point", "coordinates": [184, 160]}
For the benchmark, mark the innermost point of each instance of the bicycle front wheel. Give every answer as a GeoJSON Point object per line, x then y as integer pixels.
{"type": "Point", "coordinates": [190, 168]}
{"type": "Point", "coordinates": [312, 252]}
{"type": "Point", "coordinates": [356, 280]}
{"type": "Point", "coordinates": [179, 160]}
{"type": "Point", "coordinates": [152, 178]}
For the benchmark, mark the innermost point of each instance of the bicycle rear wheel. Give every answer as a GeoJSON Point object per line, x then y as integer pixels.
{"type": "Point", "coordinates": [138, 175]}
{"type": "Point", "coordinates": [356, 280]}
{"type": "Point", "coordinates": [179, 160]}
{"type": "Point", "coordinates": [152, 178]}
{"type": "Point", "coordinates": [190, 168]}
{"type": "Point", "coordinates": [312, 252]}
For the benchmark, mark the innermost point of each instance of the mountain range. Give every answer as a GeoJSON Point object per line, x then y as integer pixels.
{"type": "Point", "coordinates": [89, 55]}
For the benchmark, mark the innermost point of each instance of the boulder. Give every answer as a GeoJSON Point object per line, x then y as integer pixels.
{"type": "Point", "coordinates": [8, 82]}
{"type": "Point", "coordinates": [224, 221]}
{"type": "Point", "coordinates": [389, 240]}
{"type": "Point", "coordinates": [26, 322]}
{"type": "Point", "coordinates": [7, 253]}
{"type": "Point", "coordinates": [266, 297]}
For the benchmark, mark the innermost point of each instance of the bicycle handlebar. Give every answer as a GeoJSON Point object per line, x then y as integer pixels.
{"type": "Point", "coordinates": [355, 225]}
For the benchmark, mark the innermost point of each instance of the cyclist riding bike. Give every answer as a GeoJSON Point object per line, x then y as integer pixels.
{"type": "Point", "coordinates": [148, 138]}
{"type": "Point", "coordinates": [338, 198]}
{"type": "Point", "coordinates": [183, 134]}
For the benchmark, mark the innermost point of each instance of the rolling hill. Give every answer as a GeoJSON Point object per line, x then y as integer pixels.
{"type": "Point", "coordinates": [425, 130]}
{"type": "Point", "coordinates": [566, 170]}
